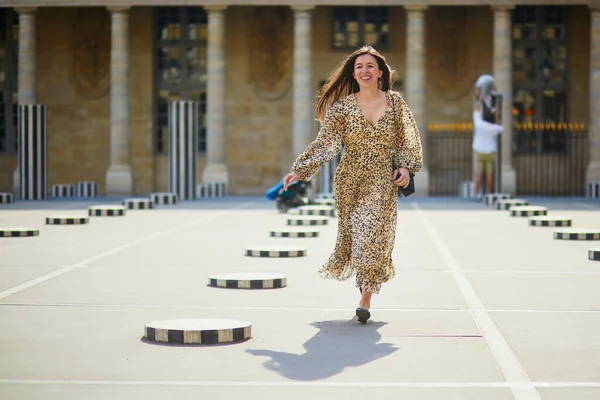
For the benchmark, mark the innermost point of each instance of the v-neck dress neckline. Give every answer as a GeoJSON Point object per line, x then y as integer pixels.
{"type": "Point", "coordinates": [364, 117]}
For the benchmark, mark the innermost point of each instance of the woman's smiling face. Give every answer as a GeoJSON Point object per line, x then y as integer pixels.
{"type": "Point", "coordinates": [366, 70]}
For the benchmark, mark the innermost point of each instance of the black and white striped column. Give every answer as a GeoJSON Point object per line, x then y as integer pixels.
{"type": "Point", "coordinates": [213, 189]}
{"type": "Point", "coordinates": [63, 190]}
{"type": "Point", "coordinates": [86, 189]}
{"type": "Point", "coordinates": [183, 142]}
{"type": "Point", "coordinates": [32, 151]}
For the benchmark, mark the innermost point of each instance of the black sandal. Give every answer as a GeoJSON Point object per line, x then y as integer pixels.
{"type": "Point", "coordinates": [363, 315]}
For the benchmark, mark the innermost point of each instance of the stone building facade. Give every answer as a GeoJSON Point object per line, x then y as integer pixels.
{"type": "Point", "coordinates": [106, 70]}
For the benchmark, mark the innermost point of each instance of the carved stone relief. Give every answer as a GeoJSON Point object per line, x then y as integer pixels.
{"type": "Point", "coordinates": [91, 52]}
{"type": "Point", "coordinates": [452, 60]}
{"type": "Point", "coordinates": [270, 51]}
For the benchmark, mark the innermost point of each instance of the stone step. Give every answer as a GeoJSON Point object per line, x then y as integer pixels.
{"type": "Point", "coordinates": [138, 204]}
{"type": "Point", "coordinates": [528, 211]}
{"type": "Point", "coordinates": [291, 232]}
{"type": "Point", "coordinates": [550, 221]}
{"type": "Point", "coordinates": [506, 204]}
{"type": "Point", "coordinates": [327, 211]}
{"type": "Point", "coordinates": [275, 251]}
{"type": "Point", "coordinates": [18, 232]}
{"type": "Point", "coordinates": [6, 198]}
{"type": "Point", "coordinates": [307, 220]}
{"type": "Point", "coordinates": [198, 331]}
{"type": "Point", "coordinates": [248, 280]}
{"type": "Point", "coordinates": [577, 234]}
{"type": "Point", "coordinates": [163, 198]}
{"type": "Point", "coordinates": [107, 211]}
{"type": "Point", "coordinates": [64, 220]}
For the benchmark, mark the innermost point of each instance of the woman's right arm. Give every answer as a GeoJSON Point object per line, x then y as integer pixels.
{"type": "Point", "coordinates": [324, 148]}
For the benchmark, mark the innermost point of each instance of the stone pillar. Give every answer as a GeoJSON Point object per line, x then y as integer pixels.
{"type": "Point", "coordinates": [27, 90]}
{"type": "Point", "coordinates": [302, 100]}
{"type": "Point", "coordinates": [415, 87]}
{"type": "Point", "coordinates": [215, 170]}
{"type": "Point", "coordinates": [503, 78]}
{"type": "Point", "coordinates": [593, 171]}
{"type": "Point", "coordinates": [119, 178]}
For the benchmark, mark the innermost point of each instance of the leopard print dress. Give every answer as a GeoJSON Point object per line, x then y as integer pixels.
{"type": "Point", "coordinates": [366, 198]}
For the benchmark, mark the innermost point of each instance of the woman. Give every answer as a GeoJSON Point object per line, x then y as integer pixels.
{"type": "Point", "coordinates": [358, 110]}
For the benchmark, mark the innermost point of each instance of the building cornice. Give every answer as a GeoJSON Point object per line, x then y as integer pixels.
{"type": "Point", "coordinates": [133, 3]}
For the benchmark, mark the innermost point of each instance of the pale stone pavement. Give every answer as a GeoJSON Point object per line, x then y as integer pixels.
{"type": "Point", "coordinates": [483, 307]}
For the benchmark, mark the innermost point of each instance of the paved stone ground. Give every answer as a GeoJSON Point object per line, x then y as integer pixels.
{"type": "Point", "coordinates": [483, 307]}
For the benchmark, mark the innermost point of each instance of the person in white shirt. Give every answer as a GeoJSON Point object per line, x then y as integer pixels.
{"type": "Point", "coordinates": [485, 133]}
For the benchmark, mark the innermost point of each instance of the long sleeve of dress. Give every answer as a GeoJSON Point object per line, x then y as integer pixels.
{"type": "Point", "coordinates": [408, 151]}
{"type": "Point", "coordinates": [324, 148]}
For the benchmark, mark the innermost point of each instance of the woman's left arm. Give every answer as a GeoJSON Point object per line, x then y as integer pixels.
{"type": "Point", "coordinates": [408, 152]}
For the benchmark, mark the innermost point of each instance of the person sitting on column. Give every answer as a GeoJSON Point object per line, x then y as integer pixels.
{"type": "Point", "coordinates": [487, 124]}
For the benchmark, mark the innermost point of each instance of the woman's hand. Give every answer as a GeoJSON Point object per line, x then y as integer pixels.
{"type": "Point", "coordinates": [403, 177]}
{"type": "Point", "coordinates": [289, 178]}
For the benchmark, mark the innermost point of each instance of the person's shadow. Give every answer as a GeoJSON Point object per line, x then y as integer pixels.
{"type": "Point", "coordinates": [337, 345]}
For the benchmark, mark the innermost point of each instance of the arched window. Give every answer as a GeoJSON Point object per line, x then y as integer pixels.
{"type": "Point", "coordinates": [181, 35]}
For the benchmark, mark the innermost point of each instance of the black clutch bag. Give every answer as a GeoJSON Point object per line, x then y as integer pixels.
{"type": "Point", "coordinates": [410, 189]}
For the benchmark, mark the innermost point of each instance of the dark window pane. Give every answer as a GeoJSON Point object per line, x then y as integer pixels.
{"type": "Point", "coordinates": [555, 106]}
{"type": "Point", "coordinates": [553, 15]}
{"type": "Point", "coordinates": [346, 26]}
{"type": "Point", "coordinates": [169, 64]}
{"type": "Point", "coordinates": [3, 25]}
{"type": "Point", "coordinates": [358, 26]}
{"type": "Point", "coordinates": [2, 64]}
{"type": "Point", "coordinates": [168, 23]}
{"type": "Point", "coordinates": [524, 31]}
{"type": "Point", "coordinates": [555, 112]}
{"type": "Point", "coordinates": [197, 24]}
{"type": "Point", "coordinates": [376, 28]}
{"type": "Point", "coordinates": [196, 59]}
{"type": "Point", "coordinates": [524, 15]}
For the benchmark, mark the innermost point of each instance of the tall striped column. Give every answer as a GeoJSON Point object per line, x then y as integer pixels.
{"type": "Point", "coordinates": [32, 151]}
{"type": "Point", "coordinates": [183, 130]}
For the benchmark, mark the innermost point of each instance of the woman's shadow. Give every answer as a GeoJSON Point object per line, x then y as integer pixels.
{"type": "Point", "coordinates": [337, 345]}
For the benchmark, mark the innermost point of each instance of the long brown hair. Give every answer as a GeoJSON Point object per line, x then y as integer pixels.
{"type": "Point", "coordinates": [341, 82]}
